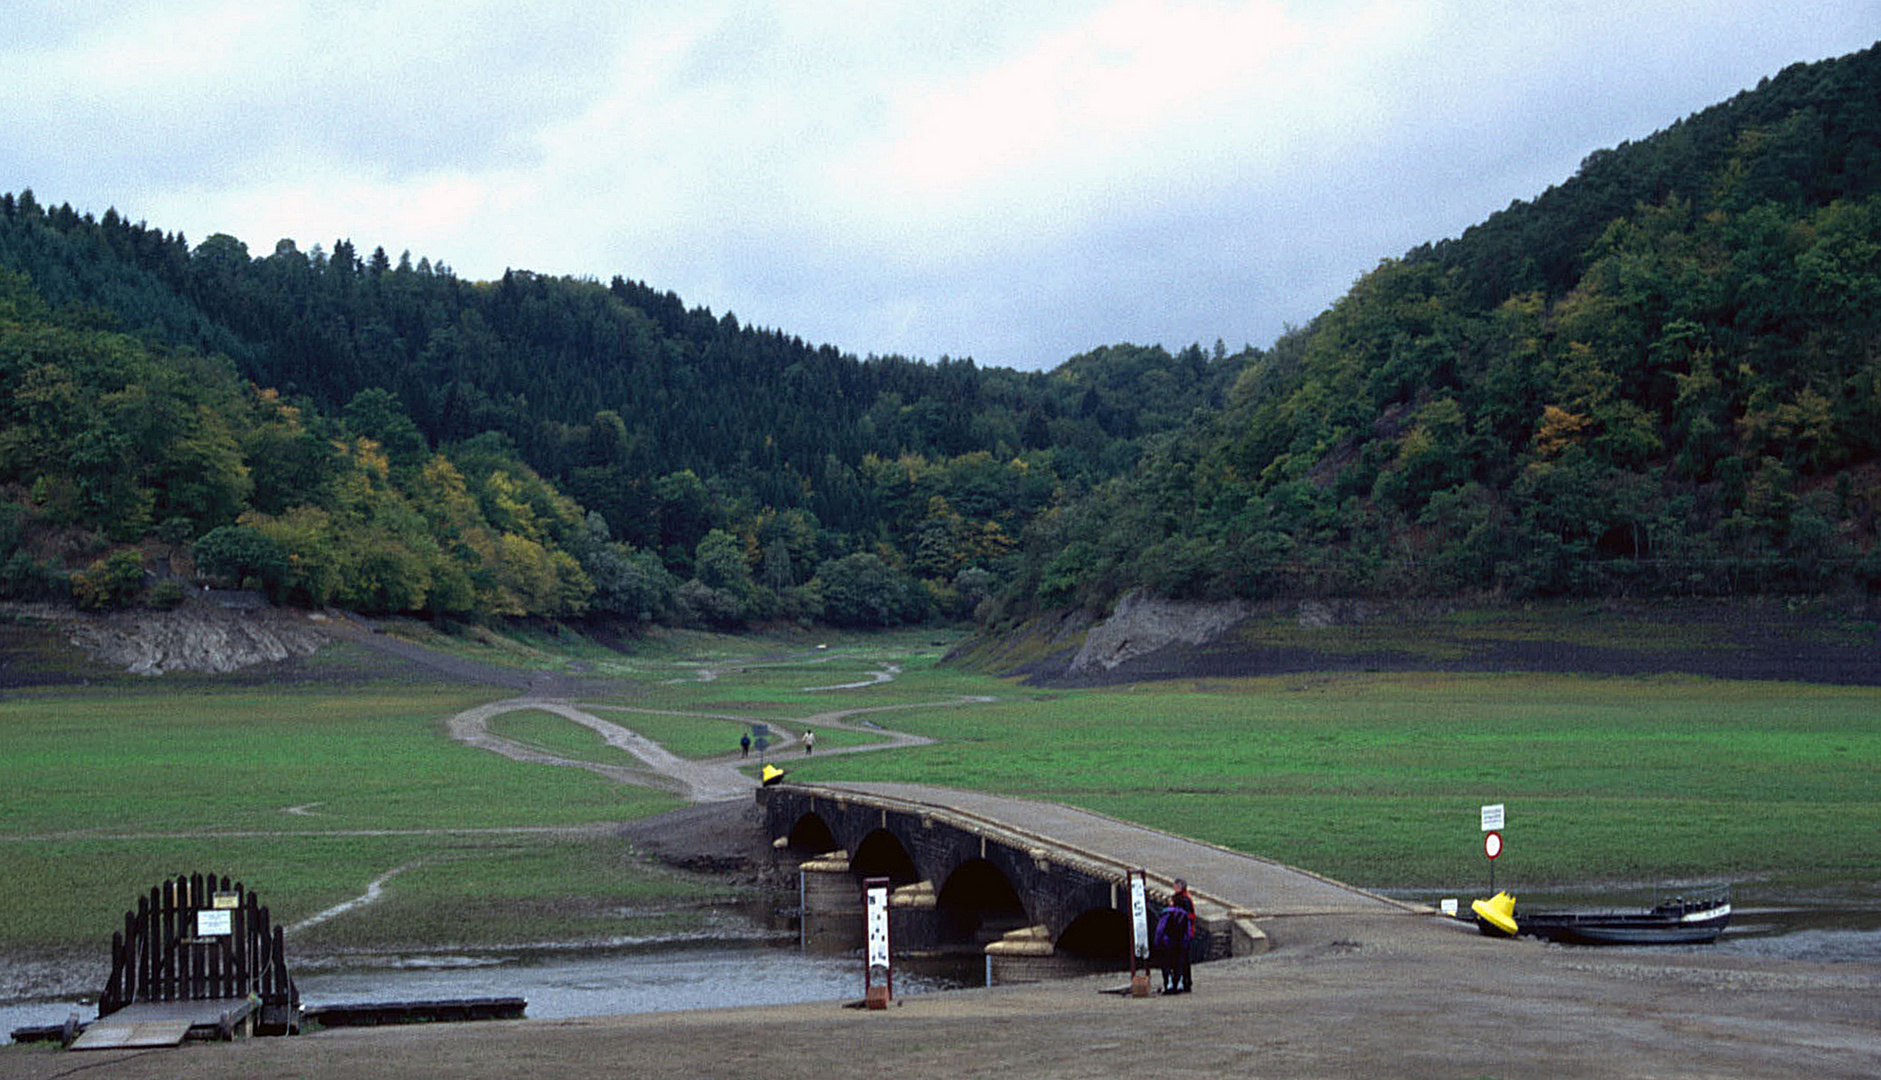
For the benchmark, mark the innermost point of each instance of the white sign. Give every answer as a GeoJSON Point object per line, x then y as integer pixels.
{"type": "Point", "coordinates": [1139, 915]}
{"type": "Point", "coordinates": [215, 923]}
{"type": "Point", "coordinates": [878, 928]}
{"type": "Point", "coordinates": [1492, 817]}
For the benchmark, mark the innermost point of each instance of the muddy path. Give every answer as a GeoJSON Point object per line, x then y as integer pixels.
{"type": "Point", "coordinates": [715, 779]}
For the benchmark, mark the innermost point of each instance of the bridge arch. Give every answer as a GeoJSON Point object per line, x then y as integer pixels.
{"type": "Point", "coordinates": [1097, 934]}
{"type": "Point", "coordinates": [811, 835]}
{"type": "Point", "coordinates": [978, 902]}
{"type": "Point", "coordinates": [959, 880]}
{"type": "Point", "coordinates": [882, 854]}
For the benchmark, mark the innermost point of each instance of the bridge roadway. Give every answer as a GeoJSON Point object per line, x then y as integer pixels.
{"type": "Point", "coordinates": [1250, 891]}
{"type": "Point", "coordinates": [1260, 887]}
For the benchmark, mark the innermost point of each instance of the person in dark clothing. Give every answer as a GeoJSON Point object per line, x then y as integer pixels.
{"type": "Point", "coordinates": [1175, 933]}
{"type": "Point", "coordinates": [744, 746]}
{"type": "Point", "coordinates": [1172, 947]}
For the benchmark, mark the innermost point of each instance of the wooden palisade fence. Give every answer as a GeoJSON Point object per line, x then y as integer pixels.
{"type": "Point", "coordinates": [201, 938]}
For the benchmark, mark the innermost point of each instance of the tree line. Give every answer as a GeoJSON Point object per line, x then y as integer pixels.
{"type": "Point", "coordinates": [689, 468]}
{"type": "Point", "coordinates": [1661, 376]}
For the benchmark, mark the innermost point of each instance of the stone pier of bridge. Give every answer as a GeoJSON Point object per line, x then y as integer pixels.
{"type": "Point", "coordinates": [1040, 888]}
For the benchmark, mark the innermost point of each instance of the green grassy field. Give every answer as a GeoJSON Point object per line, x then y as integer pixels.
{"type": "Point", "coordinates": [309, 792]}
{"type": "Point", "coordinates": [553, 734]}
{"type": "Point", "coordinates": [306, 795]}
{"type": "Point", "coordinates": [1377, 779]}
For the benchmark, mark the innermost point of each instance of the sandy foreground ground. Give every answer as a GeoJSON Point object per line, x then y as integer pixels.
{"type": "Point", "coordinates": [1388, 996]}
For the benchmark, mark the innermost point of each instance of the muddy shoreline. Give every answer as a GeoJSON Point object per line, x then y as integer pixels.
{"type": "Point", "coordinates": [1399, 996]}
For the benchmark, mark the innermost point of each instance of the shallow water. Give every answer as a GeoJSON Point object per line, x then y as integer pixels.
{"type": "Point", "coordinates": [565, 985]}
{"type": "Point", "coordinates": [585, 983]}
{"type": "Point", "coordinates": [599, 982]}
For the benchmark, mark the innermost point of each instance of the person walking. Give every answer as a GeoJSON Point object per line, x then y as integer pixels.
{"type": "Point", "coordinates": [744, 746]}
{"type": "Point", "coordinates": [809, 740]}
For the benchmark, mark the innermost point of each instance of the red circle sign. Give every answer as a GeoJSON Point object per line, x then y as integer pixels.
{"type": "Point", "coordinates": [1492, 844]}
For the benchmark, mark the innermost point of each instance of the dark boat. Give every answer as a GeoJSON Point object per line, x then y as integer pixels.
{"type": "Point", "coordinates": [1682, 920]}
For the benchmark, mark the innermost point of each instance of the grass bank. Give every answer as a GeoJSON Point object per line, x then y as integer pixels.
{"type": "Point", "coordinates": [1377, 779]}
{"type": "Point", "coordinates": [306, 794]}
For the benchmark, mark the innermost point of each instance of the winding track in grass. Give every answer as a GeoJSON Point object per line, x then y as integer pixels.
{"type": "Point", "coordinates": [717, 779]}
{"type": "Point", "coordinates": [374, 890]}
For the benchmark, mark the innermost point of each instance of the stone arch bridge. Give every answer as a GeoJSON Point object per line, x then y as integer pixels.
{"type": "Point", "coordinates": [1038, 887]}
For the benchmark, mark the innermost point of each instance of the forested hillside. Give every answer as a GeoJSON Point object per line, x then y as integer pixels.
{"type": "Point", "coordinates": [1662, 376]}
{"type": "Point", "coordinates": [722, 466]}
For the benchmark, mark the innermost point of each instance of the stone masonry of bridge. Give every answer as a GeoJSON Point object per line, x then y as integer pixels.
{"type": "Point", "coordinates": [1063, 863]}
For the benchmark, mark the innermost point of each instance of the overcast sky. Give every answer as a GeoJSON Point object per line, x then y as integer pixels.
{"type": "Point", "coordinates": [1012, 181]}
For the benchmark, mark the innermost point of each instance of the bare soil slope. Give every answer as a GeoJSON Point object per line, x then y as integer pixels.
{"type": "Point", "coordinates": [1743, 640]}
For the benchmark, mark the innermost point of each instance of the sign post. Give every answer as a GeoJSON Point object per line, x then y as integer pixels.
{"type": "Point", "coordinates": [1494, 816]}
{"type": "Point", "coordinates": [878, 979]}
{"type": "Point", "coordinates": [1139, 934]}
{"type": "Point", "coordinates": [761, 736]}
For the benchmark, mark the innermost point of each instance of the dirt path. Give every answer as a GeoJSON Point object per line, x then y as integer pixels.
{"type": "Point", "coordinates": [374, 889]}
{"type": "Point", "coordinates": [712, 780]}
{"type": "Point", "coordinates": [716, 779]}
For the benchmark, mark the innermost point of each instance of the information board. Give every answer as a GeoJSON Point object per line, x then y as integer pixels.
{"type": "Point", "coordinates": [1492, 817]}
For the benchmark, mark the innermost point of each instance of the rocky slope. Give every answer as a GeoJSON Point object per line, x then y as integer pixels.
{"type": "Point", "coordinates": [205, 635]}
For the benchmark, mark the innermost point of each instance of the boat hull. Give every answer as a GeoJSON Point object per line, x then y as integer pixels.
{"type": "Point", "coordinates": [1579, 929]}
{"type": "Point", "coordinates": [1603, 932]}
{"type": "Point", "coordinates": [1677, 923]}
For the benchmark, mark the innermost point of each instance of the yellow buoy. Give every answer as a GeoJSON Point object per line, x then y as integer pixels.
{"type": "Point", "coordinates": [1498, 912]}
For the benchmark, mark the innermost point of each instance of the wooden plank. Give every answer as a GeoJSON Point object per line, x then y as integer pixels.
{"type": "Point", "coordinates": [105, 1035]}
{"type": "Point", "coordinates": [163, 1023]}
{"type": "Point", "coordinates": [150, 1024]}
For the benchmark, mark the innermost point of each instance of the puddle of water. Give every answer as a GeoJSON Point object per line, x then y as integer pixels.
{"type": "Point", "coordinates": [588, 983]}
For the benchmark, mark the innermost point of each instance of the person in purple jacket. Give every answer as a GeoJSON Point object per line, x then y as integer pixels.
{"type": "Point", "coordinates": [1175, 940]}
